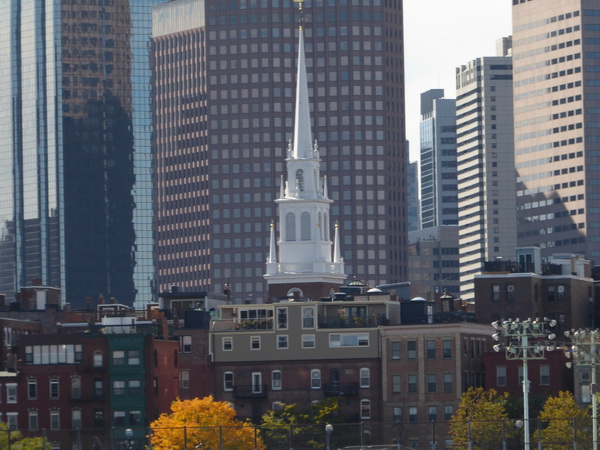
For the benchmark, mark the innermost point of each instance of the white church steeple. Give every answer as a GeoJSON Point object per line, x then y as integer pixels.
{"type": "Point", "coordinates": [306, 256]}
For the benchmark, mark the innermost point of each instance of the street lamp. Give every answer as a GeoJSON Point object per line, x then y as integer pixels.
{"type": "Point", "coordinates": [328, 430]}
{"type": "Point", "coordinates": [586, 352]}
{"type": "Point", "coordinates": [520, 347]}
{"type": "Point", "coordinates": [519, 425]}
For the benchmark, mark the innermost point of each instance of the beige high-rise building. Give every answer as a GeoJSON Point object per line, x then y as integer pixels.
{"type": "Point", "coordinates": [486, 169]}
{"type": "Point", "coordinates": [556, 54]}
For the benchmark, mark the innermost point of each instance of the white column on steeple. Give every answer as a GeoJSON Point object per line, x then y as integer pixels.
{"type": "Point", "coordinates": [337, 251]}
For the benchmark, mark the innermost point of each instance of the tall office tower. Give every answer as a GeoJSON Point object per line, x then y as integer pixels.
{"type": "Point", "coordinates": [75, 179]}
{"type": "Point", "coordinates": [486, 168]}
{"type": "Point", "coordinates": [412, 196]}
{"type": "Point", "coordinates": [438, 160]}
{"type": "Point", "coordinates": [224, 103]}
{"type": "Point", "coordinates": [557, 112]}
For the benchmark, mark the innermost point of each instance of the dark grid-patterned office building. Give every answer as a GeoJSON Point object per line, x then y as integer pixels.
{"type": "Point", "coordinates": [224, 101]}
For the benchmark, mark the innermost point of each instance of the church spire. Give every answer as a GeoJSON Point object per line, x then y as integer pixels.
{"type": "Point", "coordinates": [303, 145]}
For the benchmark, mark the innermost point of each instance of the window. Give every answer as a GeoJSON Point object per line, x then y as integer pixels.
{"type": "Point", "coordinates": [185, 344]}
{"type": "Point", "coordinates": [98, 418]}
{"type": "Point", "coordinates": [448, 411]}
{"type": "Point", "coordinates": [412, 414]}
{"type": "Point", "coordinates": [411, 349]}
{"type": "Point", "coordinates": [365, 377]}
{"type": "Point", "coordinates": [133, 357]}
{"type": "Point", "coordinates": [55, 420]}
{"type": "Point", "coordinates": [276, 380]}
{"type": "Point", "coordinates": [254, 342]}
{"type": "Point", "coordinates": [31, 389]}
{"type": "Point", "coordinates": [53, 354]}
{"type": "Point", "coordinates": [412, 383]}
{"type": "Point", "coordinates": [228, 381]}
{"type": "Point", "coordinates": [134, 387]}
{"type": "Point", "coordinates": [544, 375]}
{"type": "Point", "coordinates": [396, 384]}
{"type": "Point", "coordinates": [348, 340]}
{"type": "Point", "coordinates": [446, 349]}
{"type": "Point", "coordinates": [135, 417]}
{"type": "Point", "coordinates": [430, 349]}
{"type": "Point", "coordinates": [98, 359]}
{"type": "Point", "coordinates": [305, 226]}
{"type": "Point", "coordinates": [495, 292]}
{"type": "Point", "coordinates": [76, 388]}
{"type": "Point", "coordinates": [76, 419]}
{"type": "Point", "coordinates": [308, 341]}
{"type": "Point", "coordinates": [227, 344]}
{"type": "Point", "coordinates": [300, 180]}
{"type": "Point", "coordinates": [290, 227]}
{"type": "Point", "coordinates": [33, 420]}
{"type": "Point", "coordinates": [54, 388]}
{"type": "Point", "coordinates": [395, 350]}
{"type": "Point", "coordinates": [11, 393]}
{"type": "Point", "coordinates": [257, 387]}
{"type": "Point", "coordinates": [119, 387]}
{"type": "Point", "coordinates": [308, 317]}
{"type": "Point", "coordinates": [365, 409]}
{"type": "Point", "coordinates": [277, 406]}
{"type": "Point", "coordinates": [118, 357]}
{"type": "Point", "coordinates": [98, 389]}
{"type": "Point", "coordinates": [119, 418]}
{"type": "Point", "coordinates": [282, 341]}
{"type": "Point", "coordinates": [397, 414]}
{"type": "Point", "coordinates": [447, 382]}
{"type": "Point", "coordinates": [184, 379]}
{"type": "Point", "coordinates": [12, 419]}
{"type": "Point", "coordinates": [500, 375]}
{"type": "Point", "coordinates": [431, 383]}
{"type": "Point", "coordinates": [282, 319]}
{"type": "Point", "coordinates": [315, 379]}
{"type": "Point", "coordinates": [431, 413]}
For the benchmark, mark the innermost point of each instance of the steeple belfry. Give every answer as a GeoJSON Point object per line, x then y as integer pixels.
{"type": "Point", "coordinates": [306, 260]}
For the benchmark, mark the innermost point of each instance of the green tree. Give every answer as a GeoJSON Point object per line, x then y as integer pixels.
{"type": "Point", "coordinates": [205, 424]}
{"type": "Point", "coordinates": [305, 425]}
{"type": "Point", "coordinates": [560, 416]}
{"type": "Point", "coordinates": [17, 441]}
{"type": "Point", "coordinates": [481, 414]}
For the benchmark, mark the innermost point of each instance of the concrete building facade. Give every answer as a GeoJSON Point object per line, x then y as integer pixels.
{"type": "Point", "coordinates": [486, 172]}
{"type": "Point", "coordinates": [556, 112]}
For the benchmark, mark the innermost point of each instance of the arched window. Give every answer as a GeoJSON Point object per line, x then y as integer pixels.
{"type": "Point", "coordinates": [290, 227]}
{"type": "Point", "coordinates": [300, 180]}
{"type": "Point", "coordinates": [321, 236]}
{"type": "Point", "coordinates": [305, 226]}
{"type": "Point", "coordinates": [325, 226]}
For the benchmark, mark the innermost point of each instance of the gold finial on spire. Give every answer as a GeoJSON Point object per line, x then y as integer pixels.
{"type": "Point", "coordinates": [300, 3]}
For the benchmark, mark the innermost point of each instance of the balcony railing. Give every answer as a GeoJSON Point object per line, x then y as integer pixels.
{"type": "Point", "coordinates": [340, 389]}
{"type": "Point", "coordinates": [250, 391]}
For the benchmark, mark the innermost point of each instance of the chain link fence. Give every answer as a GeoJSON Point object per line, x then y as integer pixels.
{"type": "Point", "coordinates": [555, 434]}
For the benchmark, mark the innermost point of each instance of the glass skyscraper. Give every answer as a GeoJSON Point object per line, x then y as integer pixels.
{"type": "Point", "coordinates": [76, 129]}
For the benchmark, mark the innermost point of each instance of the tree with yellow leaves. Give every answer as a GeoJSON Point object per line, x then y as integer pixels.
{"type": "Point", "coordinates": [480, 416]}
{"type": "Point", "coordinates": [205, 424]}
{"type": "Point", "coordinates": [564, 421]}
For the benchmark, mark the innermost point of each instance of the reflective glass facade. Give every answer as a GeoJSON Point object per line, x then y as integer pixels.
{"type": "Point", "coordinates": [224, 112]}
{"type": "Point", "coordinates": [76, 208]}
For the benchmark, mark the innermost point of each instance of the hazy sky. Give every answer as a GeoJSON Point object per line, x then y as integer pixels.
{"type": "Point", "coordinates": [440, 35]}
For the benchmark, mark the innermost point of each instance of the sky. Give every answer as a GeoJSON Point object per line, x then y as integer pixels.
{"type": "Point", "coordinates": [440, 35]}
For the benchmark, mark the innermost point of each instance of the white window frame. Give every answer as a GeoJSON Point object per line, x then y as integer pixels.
{"type": "Point", "coordinates": [500, 375]}
{"type": "Point", "coordinates": [280, 341]}
{"type": "Point", "coordinates": [413, 414]}
{"type": "Point", "coordinates": [396, 384]}
{"type": "Point", "coordinates": [545, 375]}
{"type": "Point", "coordinates": [55, 420]}
{"type": "Point", "coordinates": [32, 382]}
{"type": "Point", "coordinates": [255, 340]}
{"type": "Point", "coordinates": [337, 340]}
{"type": "Point", "coordinates": [276, 380]}
{"type": "Point", "coordinates": [54, 383]}
{"type": "Point", "coordinates": [308, 341]}
{"type": "Point", "coordinates": [396, 414]}
{"type": "Point", "coordinates": [228, 381]}
{"type": "Point", "coordinates": [395, 349]}
{"type": "Point", "coordinates": [75, 418]}
{"type": "Point", "coordinates": [76, 388]}
{"type": "Point", "coordinates": [11, 393]}
{"type": "Point", "coordinates": [184, 379]}
{"type": "Point", "coordinates": [365, 409]}
{"type": "Point", "coordinates": [257, 387]}
{"type": "Point", "coordinates": [185, 343]}
{"type": "Point", "coordinates": [284, 311]}
{"type": "Point", "coordinates": [365, 377]}
{"type": "Point", "coordinates": [33, 420]}
{"type": "Point", "coordinates": [227, 342]}
{"type": "Point", "coordinates": [315, 379]}
{"type": "Point", "coordinates": [98, 359]}
{"type": "Point", "coordinates": [308, 317]}
{"type": "Point", "coordinates": [12, 420]}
